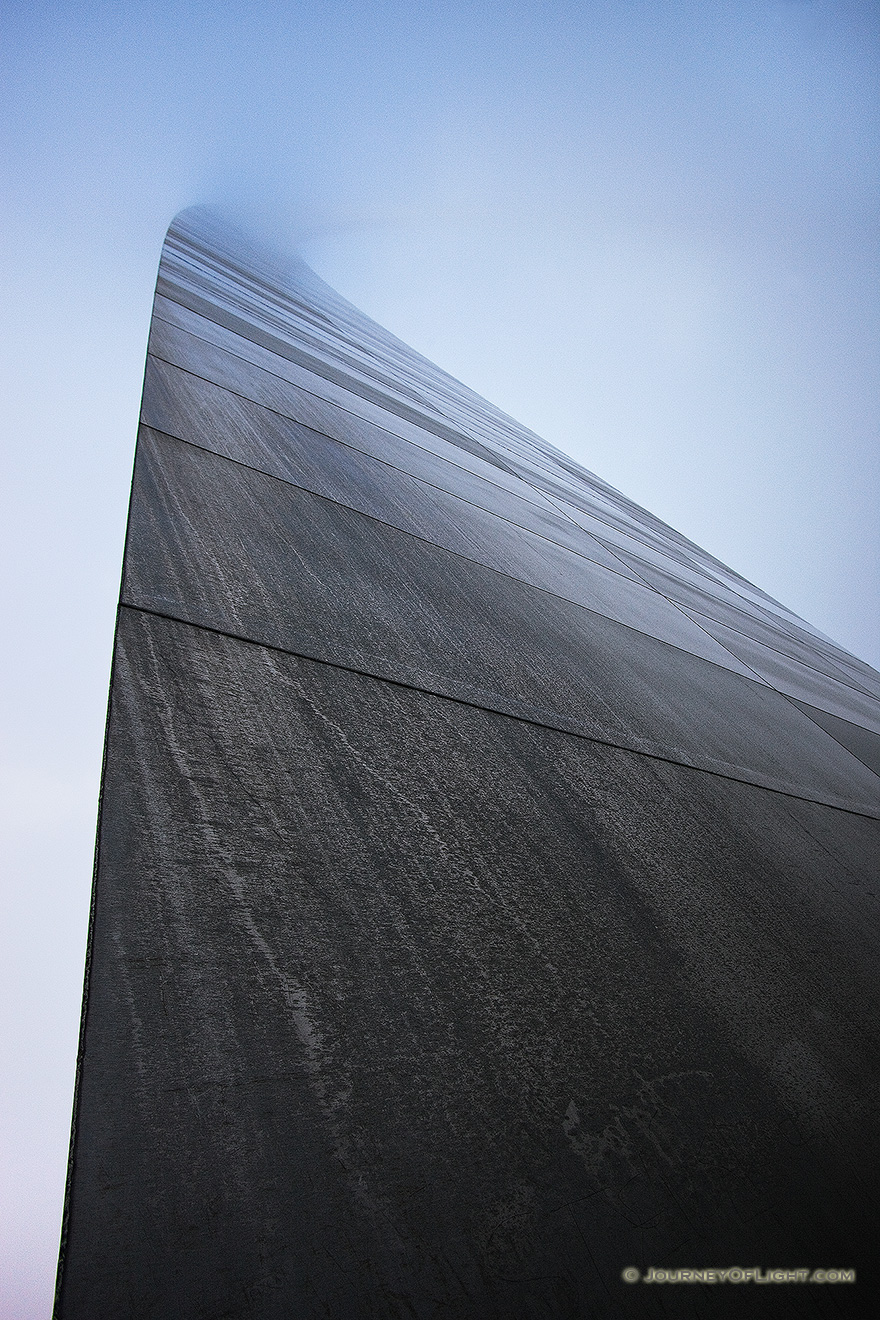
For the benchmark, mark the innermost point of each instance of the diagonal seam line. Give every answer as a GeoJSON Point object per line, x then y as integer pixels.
{"type": "Point", "coordinates": [682, 610]}
{"type": "Point", "coordinates": [542, 495]}
{"type": "Point", "coordinates": [476, 705]}
{"type": "Point", "coordinates": [489, 568]}
{"type": "Point", "coordinates": [754, 675]}
{"type": "Point", "coordinates": [540, 461]}
{"type": "Point", "coordinates": [519, 448]}
{"type": "Point", "coordinates": [348, 411]}
{"type": "Point", "coordinates": [421, 414]}
{"type": "Point", "coordinates": [686, 613]}
{"type": "Point", "coordinates": [813, 720]}
{"type": "Point", "coordinates": [628, 576]}
{"type": "Point", "coordinates": [374, 341]}
{"type": "Point", "coordinates": [550, 499]}
{"type": "Point", "coordinates": [691, 610]}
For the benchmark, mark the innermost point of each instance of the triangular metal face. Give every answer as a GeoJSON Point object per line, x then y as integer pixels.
{"type": "Point", "coordinates": [483, 896]}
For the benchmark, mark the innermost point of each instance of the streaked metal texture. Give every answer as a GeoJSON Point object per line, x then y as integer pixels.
{"type": "Point", "coordinates": [486, 885]}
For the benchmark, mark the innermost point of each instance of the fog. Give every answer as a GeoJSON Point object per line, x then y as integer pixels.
{"type": "Point", "coordinates": [648, 231]}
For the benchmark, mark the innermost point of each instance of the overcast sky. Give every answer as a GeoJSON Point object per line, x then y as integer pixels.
{"type": "Point", "coordinates": [647, 230]}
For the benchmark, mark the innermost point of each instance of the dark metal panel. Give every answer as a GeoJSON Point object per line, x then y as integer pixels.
{"type": "Point", "coordinates": [333, 412]}
{"type": "Point", "coordinates": [186, 405]}
{"type": "Point", "coordinates": [639, 551]}
{"type": "Point", "coordinates": [408, 996]}
{"type": "Point", "coordinates": [797, 680]}
{"type": "Point", "coordinates": [333, 375]}
{"type": "Point", "coordinates": [706, 600]}
{"type": "Point", "coordinates": [228, 547]}
{"type": "Point", "coordinates": [401, 1007]}
{"type": "Point", "coordinates": [209, 351]}
{"type": "Point", "coordinates": [452, 504]}
{"type": "Point", "coordinates": [611, 529]}
{"type": "Point", "coordinates": [283, 299]}
{"type": "Point", "coordinates": [861, 742]}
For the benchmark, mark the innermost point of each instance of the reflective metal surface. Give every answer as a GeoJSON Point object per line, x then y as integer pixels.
{"type": "Point", "coordinates": [485, 889]}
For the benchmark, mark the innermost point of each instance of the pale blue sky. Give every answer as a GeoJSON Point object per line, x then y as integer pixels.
{"type": "Point", "coordinates": [647, 230]}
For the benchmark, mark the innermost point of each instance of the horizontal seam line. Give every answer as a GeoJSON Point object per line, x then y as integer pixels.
{"type": "Point", "coordinates": [531, 586]}
{"type": "Point", "coordinates": [475, 705]}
